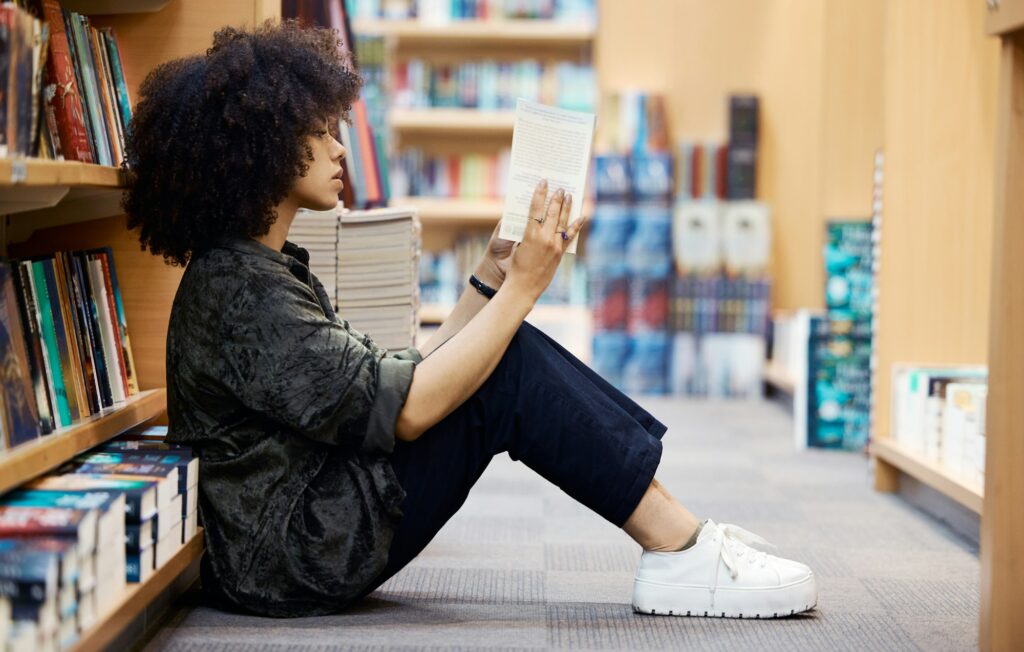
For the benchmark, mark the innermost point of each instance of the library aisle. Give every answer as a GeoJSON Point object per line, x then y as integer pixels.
{"type": "Point", "coordinates": [522, 566]}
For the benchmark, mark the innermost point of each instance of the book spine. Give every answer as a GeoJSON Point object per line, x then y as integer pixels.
{"type": "Point", "coordinates": [78, 26]}
{"type": "Point", "coordinates": [34, 344]}
{"type": "Point", "coordinates": [79, 88]}
{"type": "Point", "coordinates": [106, 99]}
{"type": "Point", "coordinates": [61, 404]}
{"type": "Point", "coordinates": [122, 322]}
{"type": "Point", "coordinates": [20, 415]}
{"type": "Point", "coordinates": [124, 102]}
{"type": "Point", "coordinates": [92, 328]}
{"type": "Point", "coordinates": [64, 337]}
{"type": "Point", "coordinates": [81, 321]}
{"type": "Point", "coordinates": [73, 332]}
{"type": "Point", "coordinates": [109, 339]}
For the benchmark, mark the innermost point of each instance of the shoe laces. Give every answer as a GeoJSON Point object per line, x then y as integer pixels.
{"type": "Point", "coordinates": [735, 544]}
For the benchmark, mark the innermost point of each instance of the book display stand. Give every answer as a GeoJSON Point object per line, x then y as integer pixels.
{"type": "Point", "coordinates": [68, 205]}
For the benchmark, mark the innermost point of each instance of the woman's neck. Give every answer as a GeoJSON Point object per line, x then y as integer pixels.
{"type": "Point", "coordinates": [278, 233]}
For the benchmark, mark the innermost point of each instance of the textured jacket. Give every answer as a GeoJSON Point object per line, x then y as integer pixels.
{"type": "Point", "coordinates": [293, 414]}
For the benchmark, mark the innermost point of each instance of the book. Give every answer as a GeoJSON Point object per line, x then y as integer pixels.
{"type": "Point", "coordinates": [547, 143]}
{"type": "Point", "coordinates": [77, 524]}
{"type": "Point", "coordinates": [55, 375]}
{"type": "Point", "coordinates": [109, 506]}
{"type": "Point", "coordinates": [140, 494]}
{"type": "Point", "coordinates": [19, 414]}
{"type": "Point", "coordinates": [166, 476]}
{"type": "Point", "coordinates": [34, 346]}
{"type": "Point", "coordinates": [116, 453]}
{"type": "Point", "coordinates": [61, 92]}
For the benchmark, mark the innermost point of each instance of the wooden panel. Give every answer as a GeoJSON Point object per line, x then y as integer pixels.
{"type": "Point", "coordinates": [697, 53]}
{"type": "Point", "coordinates": [1002, 523]}
{"type": "Point", "coordinates": [147, 285]}
{"type": "Point", "coordinates": [1004, 16]}
{"type": "Point", "coordinates": [939, 108]}
{"type": "Point", "coordinates": [22, 463]}
{"type": "Point", "coordinates": [181, 28]}
{"type": "Point", "coordinates": [852, 107]}
{"type": "Point", "coordinates": [492, 32]}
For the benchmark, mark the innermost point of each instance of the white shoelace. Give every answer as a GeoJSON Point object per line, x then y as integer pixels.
{"type": "Point", "coordinates": [736, 543]}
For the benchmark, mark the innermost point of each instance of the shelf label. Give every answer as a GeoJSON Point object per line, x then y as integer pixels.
{"type": "Point", "coordinates": [19, 171]}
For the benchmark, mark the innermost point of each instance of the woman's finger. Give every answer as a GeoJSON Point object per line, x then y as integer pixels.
{"type": "Point", "coordinates": [554, 208]}
{"type": "Point", "coordinates": [563, 215]}
{"type": "Point", "coordinates": [536, 214]}
{"type": "Point", "coordinates": [573, 229]}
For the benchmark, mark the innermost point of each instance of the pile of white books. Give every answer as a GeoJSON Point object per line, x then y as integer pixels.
{"type": "Point", "coordinates": [317, 233]}
{"type": "Point", "coordinates": [378, 274]}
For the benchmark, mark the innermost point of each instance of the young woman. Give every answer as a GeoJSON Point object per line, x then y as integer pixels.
{"type": "Point", "coordinates": [327, 464]}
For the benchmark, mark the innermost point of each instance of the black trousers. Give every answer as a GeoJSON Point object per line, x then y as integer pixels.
{"type": "Point", "coordinates": [545, 408]}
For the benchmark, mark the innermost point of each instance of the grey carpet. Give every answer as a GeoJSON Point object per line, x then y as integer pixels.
{"type": "Point", "coordinates": [524, 567]}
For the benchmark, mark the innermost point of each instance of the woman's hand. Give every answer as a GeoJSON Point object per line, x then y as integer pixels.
{"type": "Point", "coordinates": [533, 263]}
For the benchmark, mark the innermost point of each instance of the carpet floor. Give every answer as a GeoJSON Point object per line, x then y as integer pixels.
{"type": "Point", "coordinates": [522, 566]}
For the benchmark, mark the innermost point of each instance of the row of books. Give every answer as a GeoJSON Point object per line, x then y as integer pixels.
{"type": "Point", "coordinates": [70, 542]}
{"type": "Point", "coordinates": [443, 274]}
{"type": "Point", "coordinates": [63, 341]}
{"type": "Point", "coordinates": [492, 85]}
{"type": "Point", "coordinates": [442, 11]}
{"type": "Point", "coordinates": [635, 122]}
{"type": "Point", "coordinates": [66, 96]}
{"type": "Point", "coordinates": [716, 365]}
{"type": "Point", "coordinates": [475, 176]}
{"type": "Point", "coordinates": [939, 414]}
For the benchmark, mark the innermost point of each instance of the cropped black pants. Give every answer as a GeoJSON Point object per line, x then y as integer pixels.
{"type": "Point", "coordinates": [545, 408]}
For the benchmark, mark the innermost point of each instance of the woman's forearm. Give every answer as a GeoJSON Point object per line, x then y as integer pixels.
{"type": "Point", "coordinates": [450, 374]}
{"type": "Point", "coordinates": [468, 305]}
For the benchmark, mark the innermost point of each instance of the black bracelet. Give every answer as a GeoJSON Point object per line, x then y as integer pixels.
{"type": "Point", "coordinates": [482, 287]}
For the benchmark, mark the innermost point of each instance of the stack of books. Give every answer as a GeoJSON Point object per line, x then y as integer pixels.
{"type": "Point", "coordinates": [378, 280]}
{"type": "Point", "coordinates": [317, 233]}
{"type": "Point", "coordinates": [86, 104]}
{"type": "Point", "coordinates": [64, 342]}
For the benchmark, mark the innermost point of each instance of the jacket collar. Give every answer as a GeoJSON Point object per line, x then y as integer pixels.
{"type": "Point", "coordinates": [288, 256]}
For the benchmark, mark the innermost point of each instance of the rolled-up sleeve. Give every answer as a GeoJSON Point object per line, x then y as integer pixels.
{"type": "Point", "coordinates": [288, 361]}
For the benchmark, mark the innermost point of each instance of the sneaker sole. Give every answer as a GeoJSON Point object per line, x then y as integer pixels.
{"type": "Point", "coordinates": [781, 602]}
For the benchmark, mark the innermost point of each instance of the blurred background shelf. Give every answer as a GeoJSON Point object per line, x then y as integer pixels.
{"type": "Point", "coordinates": [928, 472]}
{"type": "Point", "coordinates": [476, 32]}
{"type": "Point", "coordinates": [453, 121]}
{"type": "Point", "coordinates": [28, 460]}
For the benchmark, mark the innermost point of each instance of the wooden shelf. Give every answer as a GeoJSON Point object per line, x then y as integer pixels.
{"type": "Point", "coordinates": [446, 210]}
{"type": "Point", "coordinates": [454, 121]}
{"type": "Point", "coordinates": [456, 33]}
{"type": "Point", "coordinates": [779, 378]}
{"type": "Point", "coordinates": [97, 7]}
{"type": "Point", "coordinates": [29, 184]}
{"type": "Point", "coordinates": [928, 472]}
{"type": "Point", "coordinates": [138, 597]}
{"type": "Point", "coordinates": [28, 460]}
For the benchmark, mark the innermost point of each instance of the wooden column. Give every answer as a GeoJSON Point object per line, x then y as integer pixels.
{"type": "Point", "coordinates": [1002, 522]}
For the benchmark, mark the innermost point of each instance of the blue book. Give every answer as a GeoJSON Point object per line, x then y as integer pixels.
{"type": "Point", "coordinates": [27, 576]}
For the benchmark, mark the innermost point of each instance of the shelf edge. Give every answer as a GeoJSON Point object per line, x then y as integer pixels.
{"type": "Point", "coordinates": [928, 473]}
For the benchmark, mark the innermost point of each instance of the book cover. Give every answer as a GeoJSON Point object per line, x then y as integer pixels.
{"type": "Point", "coordinates": [20, 414]}
{"type": "Point", "coordinates": [81, 364]}
{"type": "Point", "coordinates": [34, 346]}
{"type": "Point", "coordinates": [124, 103]}
{"type": "Point", "coordinates": [62, 408]}
{"type": "Point", "coordinates": [109, 505]}
{"type": "Point", "coordinates": [106, 327]}
{"type": "Point", "coordinates": [78, 30]}
{"type": "Point", "coordinates": [188, 467]}
{"type": "Point", "coordinates": [140, 494]}
{"type": "Point", "coordinates": [114, 288]}
{"type": "Point", "coordinates": [26, 575]}
{"type": "Point", "coordinates": [63, 98]}
{"type": "Point", "coordinates": [106, 99]}
{"type": "Point", "coordinates": [78, 524]}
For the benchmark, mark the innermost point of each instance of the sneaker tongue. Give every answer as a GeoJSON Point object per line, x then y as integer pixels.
{"type": "Point", "coordinates": [707, 530]}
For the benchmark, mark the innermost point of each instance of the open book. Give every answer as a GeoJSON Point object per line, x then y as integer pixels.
{"type": "Point", "coordinates": [548, 143]}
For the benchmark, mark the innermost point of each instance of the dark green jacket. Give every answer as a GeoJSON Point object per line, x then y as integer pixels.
{"type": "Point", "coordinates": [293, 415]}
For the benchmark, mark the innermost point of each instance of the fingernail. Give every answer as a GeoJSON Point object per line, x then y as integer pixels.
{"type": "Point", "coordinates": [559, 193]}
{"type": "Point", "coordinates": [543, 184]}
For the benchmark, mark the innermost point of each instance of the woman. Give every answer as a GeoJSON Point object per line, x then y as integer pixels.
{"type": "Point", "coordinates": [328, 464]}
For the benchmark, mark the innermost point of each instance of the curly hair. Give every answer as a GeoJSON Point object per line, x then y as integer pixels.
{"type": "Point", "coordinates": [217, 141]}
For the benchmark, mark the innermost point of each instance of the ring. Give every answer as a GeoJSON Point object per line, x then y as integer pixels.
{"type": "Point", "coordinates": [565, 236]}
{"type": "Point", "coordinates": [538, 220]}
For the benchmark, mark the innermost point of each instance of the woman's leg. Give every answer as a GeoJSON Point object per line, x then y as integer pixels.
{"type": "Point", "coordinates": [550, 411]}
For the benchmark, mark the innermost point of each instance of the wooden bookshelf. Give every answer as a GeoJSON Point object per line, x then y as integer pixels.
{"type": "Point", "coordinates": [138, 597]}
{"type": "Point", "coordinates": [453, 211]}
{"type": "Point", "coordinates": [22, 463]}
{"type": "Point", "coordinates": [473, 32]}
{"type": "Point", "coordinates": [465, 122]}
{"type": "Point", "coordinates": [100, 7]}
{"type": "Point", "coordinates": [28, 184]}
{"type": "Point", "coordinates": [931, 473]}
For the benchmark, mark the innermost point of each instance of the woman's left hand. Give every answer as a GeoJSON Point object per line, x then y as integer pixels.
{"type": "Point", "coordinates": [494, 265]}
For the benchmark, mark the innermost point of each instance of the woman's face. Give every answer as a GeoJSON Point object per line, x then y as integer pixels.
{"type": "Point", "coordinates": [318, 189]}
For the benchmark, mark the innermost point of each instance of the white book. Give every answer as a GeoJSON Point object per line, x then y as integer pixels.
{"type": "Point", "coordinates": [547, 143]}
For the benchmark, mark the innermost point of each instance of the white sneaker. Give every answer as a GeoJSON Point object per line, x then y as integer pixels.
{"type": "Point", "coordinates": [722, 576]}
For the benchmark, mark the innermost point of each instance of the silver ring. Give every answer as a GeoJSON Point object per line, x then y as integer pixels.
{"type": "Point", "coordinates": [538, 220]}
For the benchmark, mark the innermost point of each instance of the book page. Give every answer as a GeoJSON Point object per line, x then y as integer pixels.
{"type": "Point", "coordinates": [548, 143]}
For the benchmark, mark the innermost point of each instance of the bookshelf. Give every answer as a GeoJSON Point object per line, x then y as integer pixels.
{"type": "Point", "coordinates": [66, 205]}
{"type": "Point", "coordinates": [22, 463]}
{"type": "Point", "coordinates": [478, 32]}
{"type": "Point", "coordinates": [452, 122]}
{"type": "Point", "coordinates": [930, 473]}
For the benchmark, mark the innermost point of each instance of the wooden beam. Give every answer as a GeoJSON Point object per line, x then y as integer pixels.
{"type": "Point", "coordinates": [1002, 521]}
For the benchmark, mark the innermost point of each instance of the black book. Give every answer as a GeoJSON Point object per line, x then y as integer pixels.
{"type": "Point", "coordinates": [34, 345]}
{"type": "Point", "coordinates": [20, 415]}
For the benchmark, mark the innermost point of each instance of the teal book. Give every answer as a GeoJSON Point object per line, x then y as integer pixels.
{"type": "Point", "coordinates": [49, 335]}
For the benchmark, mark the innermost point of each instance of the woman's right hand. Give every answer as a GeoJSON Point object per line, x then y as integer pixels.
{"type": "Point", "coordinates": [536, 258]}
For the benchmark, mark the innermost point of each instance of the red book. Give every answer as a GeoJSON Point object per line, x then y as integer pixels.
{"type": "Point", "coordinates": [722, 171]}
{"type": "Point", "coordinates": [63, 99]}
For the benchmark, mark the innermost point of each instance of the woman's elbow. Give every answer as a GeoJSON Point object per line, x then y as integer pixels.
{"type": "Point", "coordinates": [407, 428]}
